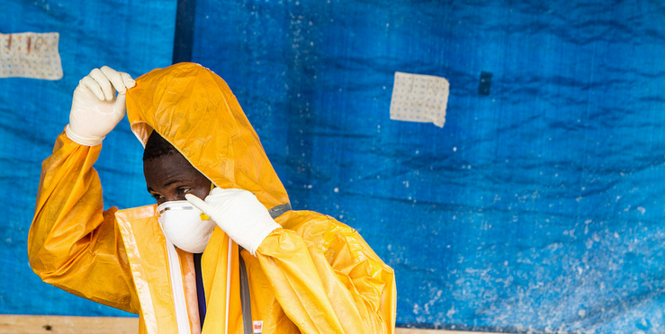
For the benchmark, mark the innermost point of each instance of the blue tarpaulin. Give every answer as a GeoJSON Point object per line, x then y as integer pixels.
{"type": "Point", "coordinates": [537, 207]}
{"type": "Point", "coordinates": [135, 37]}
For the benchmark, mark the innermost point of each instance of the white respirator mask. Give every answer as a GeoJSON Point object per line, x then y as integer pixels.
{"type": "Point", "coordinates": [184, 226]}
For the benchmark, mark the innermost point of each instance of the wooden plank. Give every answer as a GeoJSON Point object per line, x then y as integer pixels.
{"type": "Point", "coordinates": [430, 331]}
{"type": "Point", "coordinates": [53, 324]}
{"type": "Point", "coordinates": [47, 324]}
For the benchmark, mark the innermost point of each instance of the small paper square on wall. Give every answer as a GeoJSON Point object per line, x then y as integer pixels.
{"type": "Point", "coordinates": [30, 55]}
{"type": "Point", "coordinates": [419, 98]}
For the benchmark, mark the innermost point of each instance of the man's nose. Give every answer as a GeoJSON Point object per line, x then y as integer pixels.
{"type": "Point", "coordinates": [176, 197]}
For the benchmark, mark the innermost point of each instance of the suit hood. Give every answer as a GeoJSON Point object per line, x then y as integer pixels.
{"type": "Point", "coordinates": [195, 110]}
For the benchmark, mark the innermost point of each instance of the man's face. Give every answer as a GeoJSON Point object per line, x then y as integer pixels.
{"type": "Point", "coordinates": [170, 177]}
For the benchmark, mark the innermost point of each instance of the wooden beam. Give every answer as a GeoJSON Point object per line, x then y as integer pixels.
{"type": "Point", "coordinates": [54, 324]}
{"type": "Point", "coordinates": [430, 331]}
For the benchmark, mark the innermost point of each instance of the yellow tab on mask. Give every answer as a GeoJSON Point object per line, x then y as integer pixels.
{"type": "Point", "coordinates": [203, 215]}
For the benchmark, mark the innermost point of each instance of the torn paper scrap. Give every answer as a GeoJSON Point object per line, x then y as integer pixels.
{"type": "Point", "coordinates": [30, 55]}
{"type": "Point", "coordinates": [419, 98]}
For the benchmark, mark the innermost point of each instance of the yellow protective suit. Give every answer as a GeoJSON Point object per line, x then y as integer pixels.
{"type": "Point", "coordinates": [314, 275]}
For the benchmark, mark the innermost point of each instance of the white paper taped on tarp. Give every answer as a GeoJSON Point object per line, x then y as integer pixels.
{"type": "Point", "coordinates": [30, 55]}
{"type": "Point", "coordinates": [419, 98]}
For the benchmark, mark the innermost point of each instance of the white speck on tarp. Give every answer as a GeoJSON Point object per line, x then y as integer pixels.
{"type": "Point", "coordinates": [419, 98]}
{"type": "Point", "coordinates": [30, 55]}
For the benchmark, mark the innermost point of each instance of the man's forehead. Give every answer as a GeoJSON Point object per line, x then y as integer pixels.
{"type": "Point", "coordinates": [163, 169]}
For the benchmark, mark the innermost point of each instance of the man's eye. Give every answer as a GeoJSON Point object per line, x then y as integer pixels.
{"type": "Point", "coordinates": [156, 196]}
{"type": "Point", "coordinates": [184, 190]}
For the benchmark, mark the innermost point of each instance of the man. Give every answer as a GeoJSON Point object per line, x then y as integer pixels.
{"type": "Point", "coordinates": [238, 261]}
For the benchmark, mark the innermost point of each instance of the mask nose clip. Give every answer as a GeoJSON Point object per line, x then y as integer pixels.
{"type": "Point", "coordinates": [185, 225]}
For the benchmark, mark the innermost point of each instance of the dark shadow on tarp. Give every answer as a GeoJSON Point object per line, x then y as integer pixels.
{"type": "Point", "coordinates": [184, 31]}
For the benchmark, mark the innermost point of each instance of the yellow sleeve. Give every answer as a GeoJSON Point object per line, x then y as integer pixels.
{"type": "Point", "coordinates": [73, 244]}
{"type": "Point", "coordinates": [331, 281]}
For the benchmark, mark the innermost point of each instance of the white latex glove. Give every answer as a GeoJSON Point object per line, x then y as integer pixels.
{"type": "Point", "coordinates": [239, 214]}
{"type": "Point", "coordinates": [95, 108]}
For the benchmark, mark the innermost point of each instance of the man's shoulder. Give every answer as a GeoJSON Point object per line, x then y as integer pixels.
{"type": "Point", "coordinates": [311, 224]}
{"type": "Point", "coordinates": [136, 213]}
{"type": "Point", "coordinates": [324, 231]}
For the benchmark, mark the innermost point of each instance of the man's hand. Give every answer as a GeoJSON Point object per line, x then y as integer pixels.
{"type": "Point", "coordinates": [95, 108]}
{"type": "Point", "coordinates": [239, 214]}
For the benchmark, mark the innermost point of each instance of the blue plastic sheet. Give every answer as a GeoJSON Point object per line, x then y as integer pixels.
{"type": "Point", "coordinates": [536, 208]}
{"type": "Point", "coordinates": [133, 36]}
